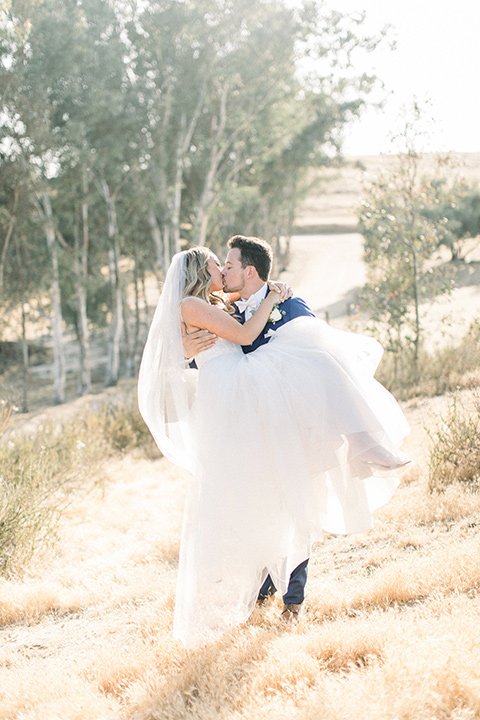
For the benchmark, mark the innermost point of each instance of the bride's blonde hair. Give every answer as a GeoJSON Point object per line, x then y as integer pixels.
{"type": "Point", "coordinates": [198, 279]}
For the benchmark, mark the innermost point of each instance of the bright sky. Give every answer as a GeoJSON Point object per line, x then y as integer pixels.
{"type": "Point", "coordinates": [437, 59]}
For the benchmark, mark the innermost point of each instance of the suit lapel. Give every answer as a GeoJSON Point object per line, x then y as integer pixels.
{"type": "Point", "coordinates": [240, 316]}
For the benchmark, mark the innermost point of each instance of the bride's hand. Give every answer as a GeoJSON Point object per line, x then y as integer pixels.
{"type": "Point", "coordinates": [283, 290]}
{"type": "Point", "coordinates": [196, 342]}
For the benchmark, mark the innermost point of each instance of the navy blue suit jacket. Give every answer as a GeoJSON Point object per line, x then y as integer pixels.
{"type": "Point", "coordinates": [293, 307]}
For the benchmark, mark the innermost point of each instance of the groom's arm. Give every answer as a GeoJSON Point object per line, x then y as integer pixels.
{"type": "Point", "coordinates": [296, 307]}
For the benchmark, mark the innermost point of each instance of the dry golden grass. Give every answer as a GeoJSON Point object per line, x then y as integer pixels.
{"type": "Point", "coordinates": [389, 629]}
{"type": "Point", "coordinates": [41, 469]}
{"type": "Point", "coordinates": [390, 625]}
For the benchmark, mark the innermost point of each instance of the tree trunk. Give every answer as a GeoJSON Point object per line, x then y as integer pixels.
{"type": "Point", "coordinates": [170, 189]}
{"type": "Point", "coordinates": [216, 156]}
{"type": "Point", "coordinates": [182, 150]}
{"type": "Point", "coordinates": [177, 189]}
{"type": "Point", "coordinates": [8, 236]}
{"type": "Point", "coordinates": [113, 356]}
{"type": "Point", "coordinates": [410, 241]}
{"type": "Point", "coordinates": [127, 341]}
{"type": "Point", "coordinates": [57, 320]}
{"type": "Point", "coordinates": [25, 361]}
{"type": "Point", "coordinates": [162, 250]}
{"type": "Point", "coordinates": [134, 340]}
{"type": "Point", "coordinates": [416, 297]}
{"type": "Point", "coordinates": [81, 276]}
{"type": "Point", "coordinates": [146, 319]}
{"type": "Point", "coordinates": [222, 144]}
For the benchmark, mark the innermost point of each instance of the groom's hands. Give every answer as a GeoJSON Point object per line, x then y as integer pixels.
{"type": "Point", "coordinates": [196, 342]}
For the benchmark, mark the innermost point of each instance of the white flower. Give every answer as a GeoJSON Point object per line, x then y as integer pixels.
{"type": "Point", "coordinates": [275, 315]}
{"type": "Point", "coordinates": [80, 444]}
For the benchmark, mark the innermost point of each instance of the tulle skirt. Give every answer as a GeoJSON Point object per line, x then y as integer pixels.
{"type": "Point", "coordinates": [280, 437]}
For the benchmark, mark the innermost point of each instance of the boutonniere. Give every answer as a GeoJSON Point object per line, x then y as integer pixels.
{"type": "Point", "coordinates": [276, 314]}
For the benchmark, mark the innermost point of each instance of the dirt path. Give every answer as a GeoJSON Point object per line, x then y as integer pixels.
{"type": "Point", "coordinates": [327, 271]}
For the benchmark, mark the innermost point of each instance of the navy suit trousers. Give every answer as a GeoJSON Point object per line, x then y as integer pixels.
{"type": "Point", "coordinates": [296, 587]}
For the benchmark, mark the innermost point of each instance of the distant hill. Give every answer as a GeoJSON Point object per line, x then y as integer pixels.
{"type": "Point", "coordinates": [331, 206]}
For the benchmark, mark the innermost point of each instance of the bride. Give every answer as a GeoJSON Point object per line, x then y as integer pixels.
{"type": "Point", "coordinates": [284, 443]}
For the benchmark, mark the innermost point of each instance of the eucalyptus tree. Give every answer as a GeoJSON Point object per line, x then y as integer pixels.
{"type": "Point", "coordinates": [78, 61]}
{"type": "Point", "coordinates": [147, 126]}
{"type": "Point", "coordinates": [170, 60]}
{"type": "Point", "coordinates": [101, 124]}
{"type": "Point", "coordinates": [24, 263]}
{"type": "Point", "coordinates": [26, 135]}
{"type": "Point", "coordinates": [327, 94]}
{"type": "Point", "coordinates": [235, 95]}
{"type": "Point", "coordinates": [11, 187]}
{"type": "Point", "coordinates": [250, 114]}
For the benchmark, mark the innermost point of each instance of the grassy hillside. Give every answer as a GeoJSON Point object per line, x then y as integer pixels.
{"type": "Point", "coordinates": [390, 625]}
{"type": "Point", "coordinates": [389, 628]}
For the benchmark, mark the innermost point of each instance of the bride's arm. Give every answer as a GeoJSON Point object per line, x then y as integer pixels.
{"type": "Point", "coordinates": [200, 314]}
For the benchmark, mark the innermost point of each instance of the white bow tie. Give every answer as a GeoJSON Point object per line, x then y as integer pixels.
{"type": "Point", "coordinates": [251, 303]}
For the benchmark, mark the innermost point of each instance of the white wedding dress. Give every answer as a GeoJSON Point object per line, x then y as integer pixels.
{"type": "Point", "coordinates": [281, 439]}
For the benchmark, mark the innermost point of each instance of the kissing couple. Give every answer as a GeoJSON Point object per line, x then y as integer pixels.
{"type": "Point", "coordinates": [282, 425]}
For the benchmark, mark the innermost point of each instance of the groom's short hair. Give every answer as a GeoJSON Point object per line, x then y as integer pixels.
{"type": "Point", "coordinates": [253, 251]}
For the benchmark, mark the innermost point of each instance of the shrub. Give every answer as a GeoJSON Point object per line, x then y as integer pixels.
{"type": "Point", "coordinates": [124, 429]}
{"type": "Point", "coordinates": [455, 449]}
{"type": "Point", "coordinates": [436, 373]}
{"type": "Point", "coordinates": [38, 474]}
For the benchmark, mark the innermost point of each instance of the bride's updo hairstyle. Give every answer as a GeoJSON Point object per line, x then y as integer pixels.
{"type": "Point", "coordinates": [198, 279]}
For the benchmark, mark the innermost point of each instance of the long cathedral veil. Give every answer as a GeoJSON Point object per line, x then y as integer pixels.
{"type": "Point", "coordinates": [166, 384]}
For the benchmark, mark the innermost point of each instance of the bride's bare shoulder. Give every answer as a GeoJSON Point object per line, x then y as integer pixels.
{"type": "Point", "coordinates": [190, 300]}
{"type": "Point", "coordinates": [193, 306]}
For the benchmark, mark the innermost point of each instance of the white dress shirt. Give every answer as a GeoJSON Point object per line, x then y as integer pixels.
{"type": "Point", "coordinates": [252, 303]}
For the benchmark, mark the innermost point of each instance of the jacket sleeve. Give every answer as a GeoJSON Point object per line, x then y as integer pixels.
{"type": "Point", "coordinates": [296, 307]}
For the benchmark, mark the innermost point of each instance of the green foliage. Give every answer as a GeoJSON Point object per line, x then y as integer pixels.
{"type": "Point", "coordinates": [148, 127]}
{"type": "Point", "coordinates": [455, 449]}
{"type": "Point", "coordinates": [401, 249]}
{"type": "Point", "coordinates": [174, 105]}
{"type": "Point", "coordinates": [445, 370]}
{"type": "Point", "coordinates": [457, 207]}
{"type": "Point", "coordinates": [37, 475]}
{"type": "Point", "coordinates": [406, 217]}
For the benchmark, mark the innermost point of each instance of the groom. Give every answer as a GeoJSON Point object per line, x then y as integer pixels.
{"type": "Point", "coordinates": [247, 268]}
